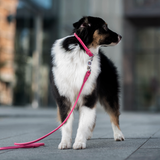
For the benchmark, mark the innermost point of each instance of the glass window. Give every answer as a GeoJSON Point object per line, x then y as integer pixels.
{"type": "Point", "coordinates": [44, 3]}
{"type": "Point", "coordinates": [141, 3]}
{"type": "Point", "coordinates": [145, 39]}
{"type": "Point", "coordinates": [147, 69]}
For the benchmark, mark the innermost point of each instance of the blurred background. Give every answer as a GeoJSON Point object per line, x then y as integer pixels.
{"type": "Point", "coordinates": [28, 28]}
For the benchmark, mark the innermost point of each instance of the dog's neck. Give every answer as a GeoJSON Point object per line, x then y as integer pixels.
{"type": "Point", "coordinates": [94, 50]}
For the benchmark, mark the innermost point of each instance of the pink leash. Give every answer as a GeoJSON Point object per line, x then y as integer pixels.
{"type": "Point", "coordinates": [33, 144]}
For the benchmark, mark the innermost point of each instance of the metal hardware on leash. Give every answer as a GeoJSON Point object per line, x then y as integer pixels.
{"type": "Point", "coordinates": [89, 63]}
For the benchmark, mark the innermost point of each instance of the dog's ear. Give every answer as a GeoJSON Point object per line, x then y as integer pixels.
{"type": "Point", "coordinates": [82, 23]}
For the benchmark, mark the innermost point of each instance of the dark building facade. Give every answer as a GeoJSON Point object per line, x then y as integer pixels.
{"type": "Point", "coordinates": [39, 23]}
{"type": "Point", "coordinates": [36, 29]}
{"type": "Point", "coordinates": [141, 58]}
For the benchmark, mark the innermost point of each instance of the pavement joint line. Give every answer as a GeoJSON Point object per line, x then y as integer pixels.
{"type": "Point", "coordinates": [155, 132]}
{"type": "Point", "coordinates": [138, 148]}
{"type": "Point", "coordinates": [142, 144]}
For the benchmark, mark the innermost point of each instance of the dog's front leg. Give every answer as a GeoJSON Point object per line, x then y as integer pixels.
{"type": "Point", "coordinates": [86, 126]}
{"type": "Point", "coordinates": [66, 130]}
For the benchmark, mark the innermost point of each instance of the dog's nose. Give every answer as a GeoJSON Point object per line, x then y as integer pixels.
{"type": "Point", "coordinates": [119, 37]}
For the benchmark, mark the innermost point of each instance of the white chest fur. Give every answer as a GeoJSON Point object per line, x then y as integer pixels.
{"type": "Point", "coordinates": [70, 68]}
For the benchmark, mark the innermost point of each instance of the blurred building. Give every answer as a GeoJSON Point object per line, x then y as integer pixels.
{"type": "Point", "coordinates": [138, 55]}
{"type": "Point", "coordinates": [36, 30]}
{"type": "Point", "coordinates": [7, 36]}
{"type": "Point", "coordinates": [40, 22]}
{"type": "Point", "coordinates": [141, 57]}
{"type": "Point", "coordinates": [56, 18]}
{"type": "Point", "coordinates": [109, 10]}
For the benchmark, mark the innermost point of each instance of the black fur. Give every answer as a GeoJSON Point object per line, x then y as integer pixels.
{"type": "Point", "coordinates": [64, 107]}
{"type": "Point", "coordinates": [108, 84]}
{"type": "Point", "coordinates": [86, 32]}
{"type": "Point", "coordinates": [91, 25]}
{"type": "Point", "coordinates": [107, 88]}
{"type": "Point", "coordinates": [91, 99]}
{"type": "Point", "coordinates": [68, 41]}
{"type": "Point", "coordinates": [62, 102]}
{"type": "Point", "coordinates": [94, 32]}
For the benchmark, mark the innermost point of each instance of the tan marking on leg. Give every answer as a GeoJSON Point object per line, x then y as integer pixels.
{"type": "Point", "coordinates": [115, 119]}
{"type": "Point", "coordinates": [58, 114]}
{"type": "Point", "coordinates": [114, 115]}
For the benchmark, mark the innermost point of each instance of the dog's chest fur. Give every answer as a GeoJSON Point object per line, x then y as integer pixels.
{"type": "Point", "coordinates": [69, 69]}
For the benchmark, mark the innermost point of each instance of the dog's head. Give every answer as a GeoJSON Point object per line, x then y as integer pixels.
{"type": "Point", "coordinates": [94, 32]}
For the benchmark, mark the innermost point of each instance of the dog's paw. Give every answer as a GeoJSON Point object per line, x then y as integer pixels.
{"type": "Point", "coordinates": [64, 145]}
{"type": "Point", "coordinates": [79, 145]}
{"type": "Point", "coordinates": [118, 136]}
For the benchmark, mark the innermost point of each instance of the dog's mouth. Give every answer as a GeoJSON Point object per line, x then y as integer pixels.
{"type": "Point", "coordinates": [119, 38]}
{"type": "Point", "coordinates": [113, 43]}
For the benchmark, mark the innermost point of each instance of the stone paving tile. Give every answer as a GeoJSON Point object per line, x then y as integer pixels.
{"type": "Point", "coordinates": [156, 135]}
{"type": "Point", "coordinates": [142, 133]}
{"type": "Point", "coordinates": [96, 149]}
{"type": "Point", "coordinates": [152, 143]}
{"type": "Point", "coordinates": [146, 154]}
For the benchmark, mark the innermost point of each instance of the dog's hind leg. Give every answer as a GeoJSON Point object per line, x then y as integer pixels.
{"type": "Point", "coordinates": [118, 135]}
{"type": "Point", "coordinates": [113, 111]}
{"type": "Point", "coordinates": [66, 130]}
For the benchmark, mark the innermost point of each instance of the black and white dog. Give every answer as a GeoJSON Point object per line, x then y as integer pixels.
{"type": "Point", "coordinates": [69, 65]}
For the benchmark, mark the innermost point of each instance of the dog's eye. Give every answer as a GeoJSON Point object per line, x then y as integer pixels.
{"type": "Point", "coordinates": [105, 27]}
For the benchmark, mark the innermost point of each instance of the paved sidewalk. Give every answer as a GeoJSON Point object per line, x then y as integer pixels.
{"type": "Point", "coordinates": [142, 133]}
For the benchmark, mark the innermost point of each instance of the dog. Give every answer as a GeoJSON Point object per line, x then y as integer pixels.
{"type": "Point", "coordinates": [69, 65]}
